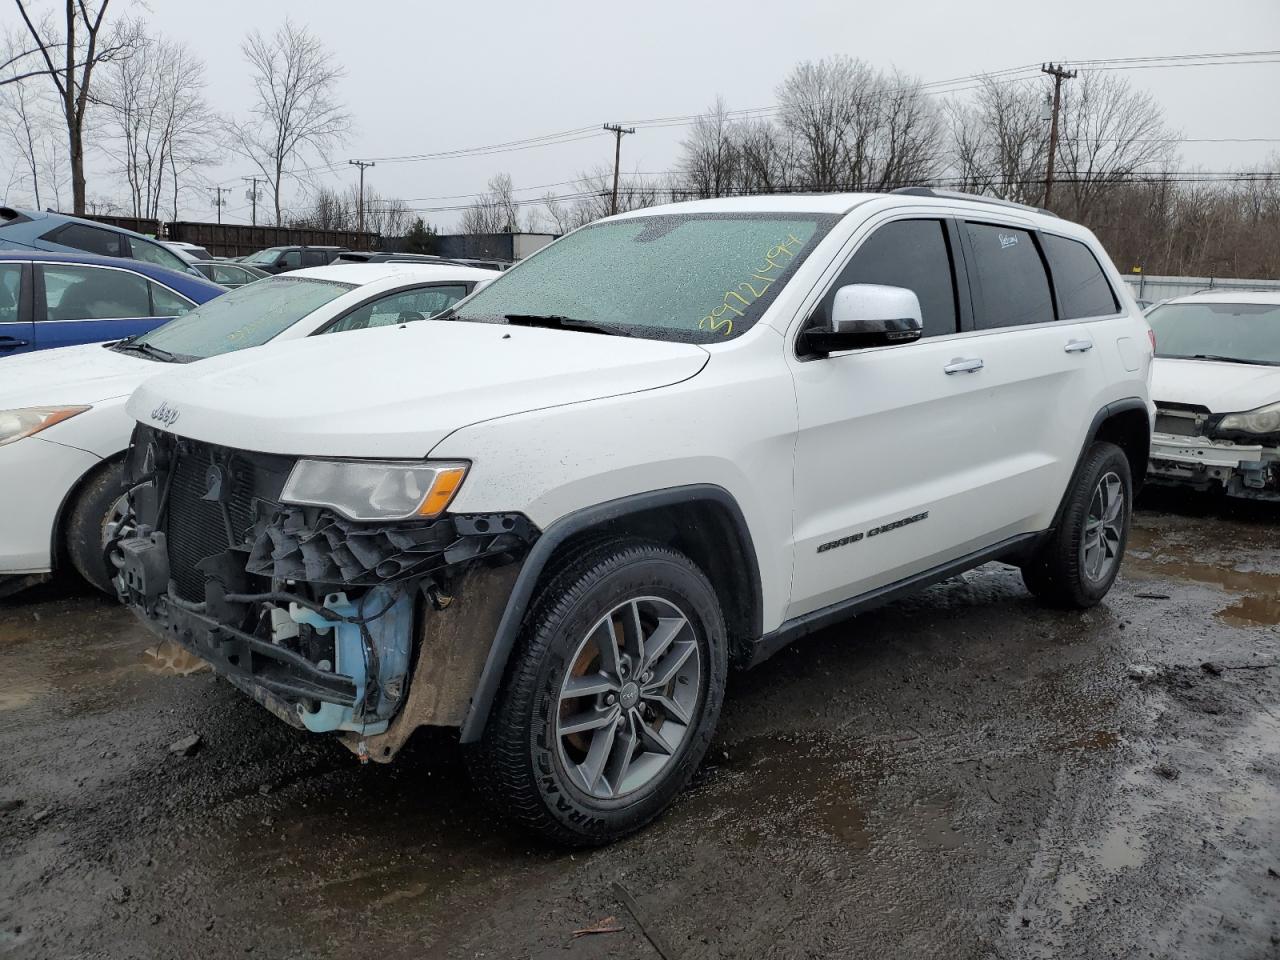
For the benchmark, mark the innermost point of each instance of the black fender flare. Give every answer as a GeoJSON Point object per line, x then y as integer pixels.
{"type": "Point", "coordinates": [1102, 416]}
{"type": "Point", "coordinates": [571, 525]}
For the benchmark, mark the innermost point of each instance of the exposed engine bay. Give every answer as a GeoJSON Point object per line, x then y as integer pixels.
{"type": "Point", "coordinates": [320, 618]}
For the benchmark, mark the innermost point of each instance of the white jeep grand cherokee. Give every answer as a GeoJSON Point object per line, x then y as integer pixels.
{"type": "Point", "coordinates": [672, 441]}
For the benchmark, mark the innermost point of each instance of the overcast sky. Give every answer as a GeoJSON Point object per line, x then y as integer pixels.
{"type": "Point", "coordinates": [427, 77]}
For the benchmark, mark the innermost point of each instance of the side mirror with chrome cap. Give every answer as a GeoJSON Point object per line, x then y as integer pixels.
{"type": "Point", "coordinates": [867, 315]}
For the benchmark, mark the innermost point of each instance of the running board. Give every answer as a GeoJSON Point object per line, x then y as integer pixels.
{"type": "Point", "coordinates": [808, 623]}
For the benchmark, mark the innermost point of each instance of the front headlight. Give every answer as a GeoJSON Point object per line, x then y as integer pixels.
{"type": "Point", "coordinates": [1263, 420]}
{"type": "Point", "coordinates": [375, 489]}
{"type": "Point", "coordinates": [16, 424]}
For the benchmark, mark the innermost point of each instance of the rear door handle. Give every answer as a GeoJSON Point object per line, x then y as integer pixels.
{"type": "Point", "coordinates": [963, 365]}
{"type": "Point", "coordinates": [1078, 346]}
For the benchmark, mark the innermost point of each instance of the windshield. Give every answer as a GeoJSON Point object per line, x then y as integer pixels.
{"type": "Point", "coordinates": [264, 256]}
{"type": "Point", "coordinates": [244, 317]}
{"type": "Point", "coordinates": [677, 277]}
{"type": "Point", "coordinates": [1245, 332]}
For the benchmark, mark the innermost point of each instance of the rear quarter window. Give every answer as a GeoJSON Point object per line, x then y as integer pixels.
{"type": "Point", "coordinates": [78, 236]}
{"type": "Point", "coordinates": [1082, 287]}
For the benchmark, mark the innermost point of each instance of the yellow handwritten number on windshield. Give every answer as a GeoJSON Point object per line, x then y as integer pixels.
{"type": "Point", "coordinates": [744, 294]}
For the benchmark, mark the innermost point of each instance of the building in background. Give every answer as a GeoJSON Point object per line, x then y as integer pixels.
{"type": "Point", "coordinates": [493, 246]}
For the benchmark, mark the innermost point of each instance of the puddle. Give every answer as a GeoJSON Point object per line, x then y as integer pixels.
{"type": "Point", "coordinates": [1259, 591]}
{"type": "Point", "coordinates": [1252, 611]}
{"type": "Point", "coordinates": [1163, 564]}
{"type": "Point", "coordinates": [16, 699]}
{"type": "Point", "coordinates": [812, 781]}
{"type": "Point", "coordinates": [171, 658]}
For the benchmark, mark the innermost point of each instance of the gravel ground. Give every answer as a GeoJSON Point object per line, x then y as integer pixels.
{"type": "Point", "coordinates": [960, 775]}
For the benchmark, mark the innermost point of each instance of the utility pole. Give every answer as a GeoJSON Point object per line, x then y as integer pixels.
{"type": "Point", "coordinates": [361, 164]}
{"type": "Point", "coordinates": [1059, 73]}
{"type": "Point", "coordinates": [617, 132]}
{"type": "Point", "coordinates": [252, 195]}
{"type": "Point", "coordinates": [217, 199]}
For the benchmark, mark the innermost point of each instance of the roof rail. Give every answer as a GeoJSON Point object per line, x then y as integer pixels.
{"type": "Point", "coordinates": [973, 197]}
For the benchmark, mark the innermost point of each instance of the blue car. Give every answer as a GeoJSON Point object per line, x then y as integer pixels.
{"type": "Point", "coordinates": [33, 230]}
{"type": "Point", "coordinates": [61, 299]}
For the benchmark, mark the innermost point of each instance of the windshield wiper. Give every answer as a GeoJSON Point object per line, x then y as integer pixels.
{"type": "Point", "coordinates": [555, 322]}
{"type": "Point", "coordinates": [147, 350]}
{"type": "Point", "coordinates": [1223, 359]}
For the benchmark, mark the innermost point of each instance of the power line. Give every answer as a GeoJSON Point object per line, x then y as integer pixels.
{"type": "Point", "coordinates": [1191, 176]}
{"type": "Point", "coordinates": [932, 88]}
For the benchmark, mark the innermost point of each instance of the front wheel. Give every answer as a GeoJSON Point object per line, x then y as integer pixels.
{"type": "Point", "coordinates": [98, 503]}
{"type": "Point", "coordinates": [612, 696]}
{"type": "Point", "coordinates": [1079, 562]}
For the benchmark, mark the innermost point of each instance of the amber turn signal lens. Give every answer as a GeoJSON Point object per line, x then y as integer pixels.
{"type": "Point", "coordinates": [442, 490]}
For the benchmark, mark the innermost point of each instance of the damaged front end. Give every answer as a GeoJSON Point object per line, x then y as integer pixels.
{"type": "Point", "coordinates": [1192, 447]}
{"type": "Point", "coordinates": [324, 620]}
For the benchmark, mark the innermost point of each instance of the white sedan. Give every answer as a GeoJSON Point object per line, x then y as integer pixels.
{"type": "Point", "coordinates": [1216, 386]}
{"type": "Point", "coordinates": [64, 431]}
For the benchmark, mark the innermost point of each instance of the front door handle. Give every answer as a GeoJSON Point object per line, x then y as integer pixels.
{"type": "Point", "coordinates": [963, 365]}
{"type": "Point", "coordinates": [1078, 346]}
{"type": "Point", "coordinates": [12, 343]}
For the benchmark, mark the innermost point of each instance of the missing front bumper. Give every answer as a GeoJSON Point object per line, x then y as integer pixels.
{"type": "Point", "coordinates": [1240, 470]}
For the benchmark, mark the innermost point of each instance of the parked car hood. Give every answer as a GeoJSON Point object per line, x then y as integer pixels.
{"type": "Point", "coordinates": [70, 375]}
{"type": "Point", "coordinates": [398, 391]}
{"type": "Point", "coordinates": [1221, 387]}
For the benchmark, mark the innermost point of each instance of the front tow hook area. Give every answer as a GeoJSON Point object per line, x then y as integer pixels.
{"type": "Point", "coordinates": [144, 568]}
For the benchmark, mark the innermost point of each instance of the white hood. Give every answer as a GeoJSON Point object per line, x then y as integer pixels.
{"type": "Point", "coordinates": [398, 391]}
{"type": "Point", "coordinates": [71, 375]}
{"type": "Point", "coordinates": [1221, 387]}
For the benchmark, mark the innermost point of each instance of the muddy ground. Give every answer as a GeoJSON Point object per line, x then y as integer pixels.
{"type": "Point", "coordinates": [961, 775]}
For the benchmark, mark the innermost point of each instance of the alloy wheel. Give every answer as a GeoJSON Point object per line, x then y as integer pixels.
{"type": "Point", "coordinates": [629, 698]}
{"type": "Point", "coordinates": [1103, 528]}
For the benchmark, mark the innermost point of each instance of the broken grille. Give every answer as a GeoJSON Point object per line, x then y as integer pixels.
{"type": "Point", "coordinates": [211, 506]}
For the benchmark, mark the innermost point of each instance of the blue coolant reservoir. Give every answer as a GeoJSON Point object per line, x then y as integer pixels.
{"type": "Point", "coordinates": [392, 636]}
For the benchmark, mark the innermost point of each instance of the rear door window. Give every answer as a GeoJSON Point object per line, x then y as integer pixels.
{"type": "Point", "coordinates": [79, 236]}
{"type": "Point", "coordinates": [401, 307]}
{"type": "Point", "coordinates": [230, 276]}
{"type": "Point", "coordinates": [1010, 285]}
{"type": "Point", "coordinates": [1082, 287]}
{"type": "Point", "coordinates": [166, 303]}
{"type": "Point", "coordinates": [73, 292]}
{"type": "Point", "coordinates": [314, 258]}
{"type": "Point", "coordinates": [16, 332]}
{"type": "Point", "coordinates": [150, 252]}
{"type": "Point", "coordinates": [911, 254]}
{"type": "Point", "coordinates": [10, 292]}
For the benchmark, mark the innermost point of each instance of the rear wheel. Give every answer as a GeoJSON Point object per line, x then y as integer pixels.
{"type": "Point", "coordinates": [611, 698]}
{"type": "Point", "coordinates": [98, 502]}
{"type": "Point", "coordinates": [1078, 564]}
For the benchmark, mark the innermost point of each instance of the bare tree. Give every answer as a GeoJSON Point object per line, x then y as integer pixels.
{"type": "Point", "coordinates": [767, 158]}
{"type": "Point", "coordinates": [817, 103]}
{"type": "Point", "coordinates": [1108, 132]}
{"type": "Point", "coordinates": [999, 143]}
{"type": "Point", "coordinates": [160, 123]}
{"type": "Point", "coordinates": [559, 212]}
{"type": "Point", "coordinates": [26, 120]}
{"type": "Point", "coordinates": [710, 155]}
{"type": "Point", "coordinates": [297, 111]}
{"type": "Point", "coordinates": [387, 216]}
{"type": "Point", "coordinates": [856, 128]}
{"type": "Point", "coordinates": [593, 198]}
{"type": "Point", "coordinates": [329, 209]}
{"type": "Point", "coordinates": [494, 211]}
{"type": "Point", "coordinates": [67, 52]}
